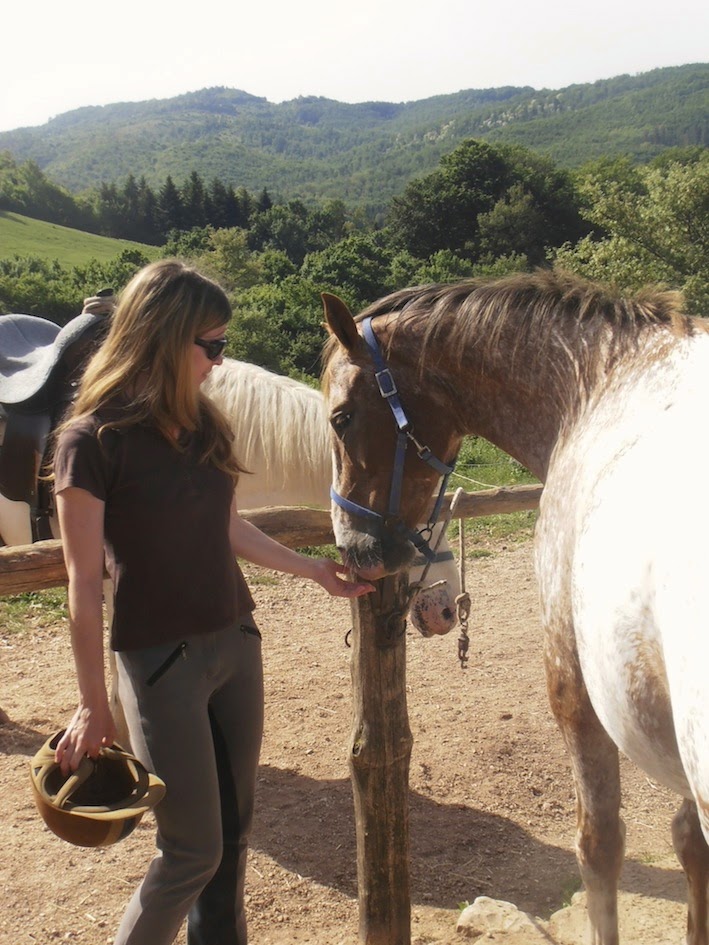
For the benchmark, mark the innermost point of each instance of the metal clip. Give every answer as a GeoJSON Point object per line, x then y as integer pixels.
{"type": "Point", "coordinates": [463, 643]}
{"type": "Point", "coordinates": [463, 607]}
{"type": "Point", "coordinates": [423, 452]}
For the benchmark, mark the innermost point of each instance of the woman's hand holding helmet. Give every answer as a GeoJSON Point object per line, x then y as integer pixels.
{"type": "Point", "coordinates": [90, 729]}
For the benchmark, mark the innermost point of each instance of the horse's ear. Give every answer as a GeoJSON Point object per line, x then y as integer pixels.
{"type": "Point", "coordinates": [339, 320]}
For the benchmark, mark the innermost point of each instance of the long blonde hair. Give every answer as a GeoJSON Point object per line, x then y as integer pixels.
{"type": "Point", "coordinates": [145, 360]}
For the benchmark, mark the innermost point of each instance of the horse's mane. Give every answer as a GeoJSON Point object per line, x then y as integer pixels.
{"type": "Point", "coordinates": [547, 311]}
{"type": "Point", "coordinates": [279, 424]}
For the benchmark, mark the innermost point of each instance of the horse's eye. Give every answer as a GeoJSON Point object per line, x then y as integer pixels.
{"type": "Point", "coordinates": [339, 422]}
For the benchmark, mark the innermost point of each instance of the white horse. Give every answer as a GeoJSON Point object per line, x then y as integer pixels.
{"type": "Point", "coordinates": [282, 432]}
{"type": "Point", "coordinates": [282, 436]}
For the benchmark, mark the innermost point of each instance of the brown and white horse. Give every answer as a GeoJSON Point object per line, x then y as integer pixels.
{"type": "Point", "coordinates": [590, 391]}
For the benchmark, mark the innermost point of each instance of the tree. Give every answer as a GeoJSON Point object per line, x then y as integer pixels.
{"type": "Point", "coordinates": [131, 199]}
{"type": "Point", "coordinates": [35, 286]}
{"type": "Point", "coordinates": [652, 227]}
{"type": "Point", "coordinates": [189, 243]}
{"type": "Point", "coordinates": [487, 200]}
{"type": "Point", "coordinates": [194, 202]}
{"type": "Point", "coordinates": [109, 209]}
{"type": "Point", "coordinates": [115, 274]}
{"type": "Point", "coordinates": [263, 202]}
{"type": "Point", "coordinates": [148, 226]}
{"type": "Point", "coordinates": [222, 201]}
{"type": "Point", "coordinates": [440, 211]}
{"type": "Point", "coordinates": [25, 189]}
{"type": "Point", "coordinates": [39, 287]}
{"type": "Point", "coordinates": [359, 267]}
{"type": "Point", "coordinates": [171, 214]}
{"type": "Point", "coordinates": [293, 229]}
{"type": "Point", "coordinates": [229, 259]}
{"type": "Point", "coordinates": [330, 222]}
{"type": "Point", "coordinates": [243, 207]}
{"type": "Point", "coordinates": [279, 327]}
{"type": "Point", "coordinates": [515, 224]}
{"type": "Point", "coordinates": [540, 208]}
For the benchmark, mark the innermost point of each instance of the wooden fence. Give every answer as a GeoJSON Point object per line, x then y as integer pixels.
{"type": "Point", "coordinates": [381, 740]}
{"type": "Point", "coordinates": [39, 566]}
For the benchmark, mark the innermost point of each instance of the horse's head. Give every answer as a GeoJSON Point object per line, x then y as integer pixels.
{"type": "Point", "coordinates": [387, 460]}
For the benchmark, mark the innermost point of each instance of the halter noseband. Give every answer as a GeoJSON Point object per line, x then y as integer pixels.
{"type": "Point", "coordinates": [405, 434]}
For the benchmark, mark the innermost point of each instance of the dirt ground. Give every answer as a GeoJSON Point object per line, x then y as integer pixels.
{"type": "Point", "coordinates": [491, 799]}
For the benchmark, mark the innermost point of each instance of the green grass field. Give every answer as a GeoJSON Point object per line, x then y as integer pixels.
{"type": "Point", "coordinates": [22, 236]}
{"type": "Point", "coordinates": [483, 466]}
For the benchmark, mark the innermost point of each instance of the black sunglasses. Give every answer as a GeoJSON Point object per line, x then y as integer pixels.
{"type": "Point", "coordinates": [213, 348]}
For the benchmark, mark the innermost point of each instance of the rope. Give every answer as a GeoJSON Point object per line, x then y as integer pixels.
{"type": "Point", "coordinates": [463, 599]}
{"type": "Point", "coordinates": [477, 482]}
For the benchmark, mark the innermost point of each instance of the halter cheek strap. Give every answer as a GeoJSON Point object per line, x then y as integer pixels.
{"type": "Point", "coordinates": [405, 435]}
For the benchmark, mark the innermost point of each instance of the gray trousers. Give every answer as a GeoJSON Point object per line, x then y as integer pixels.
{"type": "Point", "coordinates": [195, 718]}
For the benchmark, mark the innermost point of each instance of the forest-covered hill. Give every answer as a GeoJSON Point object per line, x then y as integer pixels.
{"type": "Point", "coordinates": [363, 153]}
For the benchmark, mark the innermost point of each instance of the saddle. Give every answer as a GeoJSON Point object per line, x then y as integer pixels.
{"type": "Point", "coordinates": [40, 367]}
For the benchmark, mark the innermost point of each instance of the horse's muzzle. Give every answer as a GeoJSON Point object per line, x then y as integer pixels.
{"type": "Point", "coordinates": [374, 557]}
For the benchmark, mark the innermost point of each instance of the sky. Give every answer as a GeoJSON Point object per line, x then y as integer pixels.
{"type": "Point", "coordinates": [57, 56]}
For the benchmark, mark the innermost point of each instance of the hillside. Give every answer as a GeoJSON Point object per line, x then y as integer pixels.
{"type": "Point", "coordinates": [363, 153]}
{"type": "Point", "coordinates": [21, 236]}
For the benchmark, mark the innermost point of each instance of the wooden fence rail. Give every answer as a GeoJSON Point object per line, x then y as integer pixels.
{"type": "Point", "coordinates": [381, 741]}
{"type": "Point", "coordinates": [35, 567]}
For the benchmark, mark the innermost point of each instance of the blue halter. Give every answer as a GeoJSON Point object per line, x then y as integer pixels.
{"type": "Point", "coordinates": [405, 434]}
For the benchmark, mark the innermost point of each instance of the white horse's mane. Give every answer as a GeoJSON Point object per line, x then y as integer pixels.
{"type": "Point", "coordinates": [281, 430]}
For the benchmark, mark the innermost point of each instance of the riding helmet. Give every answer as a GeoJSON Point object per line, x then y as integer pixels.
{"type": "Point", "coordinates": [98, 804]}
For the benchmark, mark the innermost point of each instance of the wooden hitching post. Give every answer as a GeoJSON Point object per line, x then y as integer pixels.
{"type": "Point", "coordinates": [380, 753]}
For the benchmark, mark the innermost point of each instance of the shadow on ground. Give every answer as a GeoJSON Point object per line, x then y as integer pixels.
{"type": "Point", "coordinates": [17, 738]}
{"type": "Point", "coordinates": [457, 852]}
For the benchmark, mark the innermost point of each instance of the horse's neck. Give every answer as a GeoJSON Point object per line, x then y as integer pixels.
{"type": "Point", "coordinates": [501, 398]}
{"type": "Point", "coordinates": [518, 418]}
{"type": "Point", "coordinates": [284, 485]}
{"type": "Point", "coordinates": [532, 399]}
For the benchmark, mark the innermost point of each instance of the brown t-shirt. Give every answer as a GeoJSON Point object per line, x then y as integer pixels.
{"type": "Point", "coordinates": [166, 531]}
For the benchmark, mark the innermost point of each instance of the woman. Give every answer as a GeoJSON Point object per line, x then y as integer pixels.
{"type": "Point", "coordinates": [144, 468]}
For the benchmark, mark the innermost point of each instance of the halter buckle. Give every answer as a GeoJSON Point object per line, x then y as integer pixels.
{"type": "Point", "coordinates": [386, 383]}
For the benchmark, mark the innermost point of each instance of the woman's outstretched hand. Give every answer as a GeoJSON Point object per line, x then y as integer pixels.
{"type": "Point", "coordinates": [327, 573]}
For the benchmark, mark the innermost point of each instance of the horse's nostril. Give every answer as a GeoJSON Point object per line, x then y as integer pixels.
{"type": "Point", "coordinates": [447, 613]}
